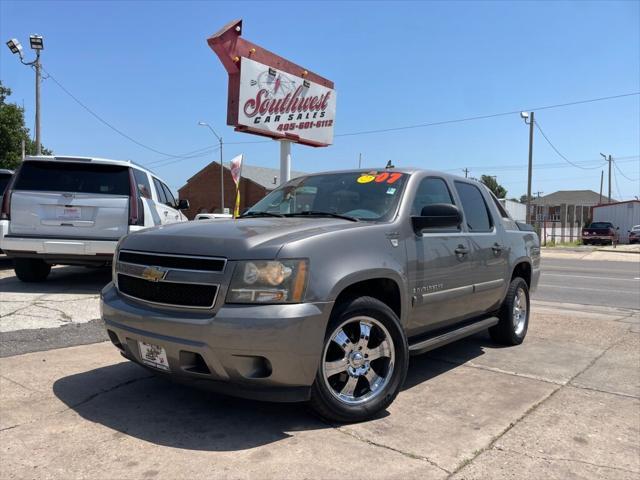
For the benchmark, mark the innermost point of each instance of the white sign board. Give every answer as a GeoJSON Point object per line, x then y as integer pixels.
{"type": "Point", "coordinates": [278, 103]}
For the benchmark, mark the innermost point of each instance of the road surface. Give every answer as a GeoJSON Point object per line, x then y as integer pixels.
{"type": "Point", "coordinates": [588, 282]}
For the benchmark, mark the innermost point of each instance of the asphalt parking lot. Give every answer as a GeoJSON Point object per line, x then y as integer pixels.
{"type": "Point", "coordinates": [565, 404]}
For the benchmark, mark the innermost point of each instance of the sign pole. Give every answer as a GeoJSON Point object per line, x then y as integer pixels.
{"type": "Point", "coordinates": [285, 161]}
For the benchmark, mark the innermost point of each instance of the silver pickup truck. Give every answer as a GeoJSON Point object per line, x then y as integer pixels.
{"type": "Point", "coordinates": [322, 290]}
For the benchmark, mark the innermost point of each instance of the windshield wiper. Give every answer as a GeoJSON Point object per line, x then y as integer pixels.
{"type": "Point", "coordinates": [261, 214]}
{"type": "Point", "coordinates": [316, 213]}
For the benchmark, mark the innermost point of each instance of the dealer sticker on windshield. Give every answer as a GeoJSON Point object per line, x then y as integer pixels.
{"type": "Point", "coordinates": [154, 356]}
{"type": "Point", "coordinates": [384, 177]}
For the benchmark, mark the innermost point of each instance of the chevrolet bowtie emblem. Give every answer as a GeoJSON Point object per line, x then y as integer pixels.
{"type": "Point", "coordinates": [154, 274]}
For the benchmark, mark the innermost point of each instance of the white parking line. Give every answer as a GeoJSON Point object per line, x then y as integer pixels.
{"type": "Point", "coordinates": [586, 276]}
{"type": "Point", "coordinates": [617, 290]}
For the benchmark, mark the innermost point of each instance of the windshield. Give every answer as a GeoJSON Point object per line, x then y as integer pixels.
{"type": "Point", "coordinates": [600, 225]}
{"type": "Point", "coordinates": [362, 195]}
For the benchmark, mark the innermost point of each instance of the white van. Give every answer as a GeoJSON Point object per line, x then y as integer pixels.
{"type": "Point", "coordinates": [73, 211]}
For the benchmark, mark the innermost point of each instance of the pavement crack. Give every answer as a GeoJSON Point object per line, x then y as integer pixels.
{"type": "Point", "coordinates": [386, 447]}
{"type": "Point", "coordinates": [108, 390]}
{"type": "Point", "coordinates": [534, 407]}
{"type": "Point", "coordinates": [19, 384]}
{"type": "Point", "coordinates": [82, 402]}
{"type": "Point", "coordinates": [561, 459]}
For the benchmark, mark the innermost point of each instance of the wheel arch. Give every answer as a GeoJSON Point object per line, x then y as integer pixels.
{"type": "Point", "coordinates": [382, 285]}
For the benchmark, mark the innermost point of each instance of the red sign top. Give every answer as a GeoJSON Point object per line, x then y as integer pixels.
{"type": "Point", "coordinates": [230, 49]}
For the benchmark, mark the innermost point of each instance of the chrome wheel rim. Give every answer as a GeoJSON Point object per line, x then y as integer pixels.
{"type": "Point", "coordinates": [520, 311]}
{"type": "Point", "coordinates": [358, 360]}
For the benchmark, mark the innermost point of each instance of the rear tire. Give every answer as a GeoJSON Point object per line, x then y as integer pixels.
{"type": "Point", "coordinates": [351, 385]}
{"type": "Point", "coordinates": [514, 315]}
{"type": "Point", "coordinates": [31, 270]}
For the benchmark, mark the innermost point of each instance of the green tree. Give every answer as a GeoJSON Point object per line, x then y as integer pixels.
{"type": "Point", "coordinates": [12, 132]}
{"type": "Point", "coordinates": [493, 185]}
{"type": "Point", "coordinates": [523, 198]}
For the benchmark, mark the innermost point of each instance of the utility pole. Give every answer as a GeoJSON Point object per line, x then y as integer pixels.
{"type": "Point", "coordinates": [608, 159]}
{"type": "Point", "coordinates": [531, 123]}
{"type": "Point", "coordinates": [601, 181]}
{"type": "Point", "coordinates": [466, 172]}
{"type": "Point", "coordinates": [609, 179]}
{"type": "Point", "coordinates": [359, 160]}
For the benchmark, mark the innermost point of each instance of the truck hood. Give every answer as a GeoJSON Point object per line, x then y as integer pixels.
{"type": "Point", "coordinates": [242, 239]}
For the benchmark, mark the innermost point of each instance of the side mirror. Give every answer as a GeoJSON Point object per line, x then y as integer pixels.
{"type": "Point", "coordinates": [183, 204]}
{"type": "Point", "coordinates": [437, 215]}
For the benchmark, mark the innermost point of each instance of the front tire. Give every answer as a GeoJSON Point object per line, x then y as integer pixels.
{"type": "Point", "coordinates": [31, 270]}
{"type": "Point", "coordinates": [514, 315]}
{"type": "Point", "coordinates": [364, 362]}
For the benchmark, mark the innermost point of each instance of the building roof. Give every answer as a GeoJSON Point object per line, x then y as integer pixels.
{"type": "Point", "coordinates": [261, 175]}
{"type": "Point", "coordinates": [264, 176]}
{"type": "Point", "coordinates": [571, 197]}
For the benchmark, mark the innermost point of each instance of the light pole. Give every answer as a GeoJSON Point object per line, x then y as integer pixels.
{"type": "Point", "coordinates": [531, 123]}
{"type": "Point", "coordinates": [36, 42]}
{"type": "Point", "coordinates": [205, 124]}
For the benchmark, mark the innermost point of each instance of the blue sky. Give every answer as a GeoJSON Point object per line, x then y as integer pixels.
{"type": "Point", "coordinates": [145, 67]}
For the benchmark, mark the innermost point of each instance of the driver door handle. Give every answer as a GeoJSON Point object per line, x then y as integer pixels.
{"type": "Point", "coordinates": [497, 248]}
{"type": "Point", "coordinates": [461, 250]}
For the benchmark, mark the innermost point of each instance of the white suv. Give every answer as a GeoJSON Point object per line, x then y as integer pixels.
{"type": "Point", "coordinates": [73, 211]}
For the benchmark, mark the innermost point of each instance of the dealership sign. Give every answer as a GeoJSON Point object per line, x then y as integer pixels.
{"type": "Point", "coordinates": [278, 103]}
{"type": "Point", "coordinates": [271, 96]}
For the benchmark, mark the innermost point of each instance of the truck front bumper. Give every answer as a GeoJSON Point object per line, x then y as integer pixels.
{"type": "Point", "coordinates": [265, 352]}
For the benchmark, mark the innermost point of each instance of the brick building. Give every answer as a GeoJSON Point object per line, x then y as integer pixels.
{"type": "Point", "coordinates": [203, 189]}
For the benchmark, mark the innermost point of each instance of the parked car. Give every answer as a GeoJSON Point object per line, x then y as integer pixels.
{"type": "Point", "coordinates": [213, 216]}
{"type": "Point", "coordinates": [634, 234]}
{"type": "Point", "coordinates": [73, 211]}
{"type": "Point", "coordinates": [5, 176]}
{"type": "Point", "coordinates": [599, 233]}
{"type": "Point", "coordinates": [323, 289]}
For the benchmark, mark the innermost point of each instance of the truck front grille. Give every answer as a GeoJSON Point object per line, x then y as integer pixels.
{"type": "Point", "coordinates": [170, 280]}
{"type": "Point", "coordinates": [168, 293]}
{"type": "Point", "coordinates": [173, 261]}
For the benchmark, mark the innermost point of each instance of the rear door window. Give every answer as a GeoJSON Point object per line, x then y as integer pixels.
{"type": "Point", "coordinates": [142, 182]}
{"type": "Point", "coordinates": [73, 177]}
{"type": "Point", "coordinates": [161, 196]}
{"type": "Point", "coordinates": [475, 209]}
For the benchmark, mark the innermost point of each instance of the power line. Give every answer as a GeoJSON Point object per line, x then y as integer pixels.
{"type": "Point", "coordinates": [365, 132]}
{"type": "Point", "coordinates": [192, 154]}
{"type": "Point", "coordinates": [615, 164]}
{"type": "Point", "coordinates": [561, 155]}
{"type": "Point", "coordinates": [482, 117]}
{"type": "Point", "coordinates": [170, 161]}
{"type": "Point", "coordinates": [615, 181]}
{"type": "Point", "coordinates": [103, 121]}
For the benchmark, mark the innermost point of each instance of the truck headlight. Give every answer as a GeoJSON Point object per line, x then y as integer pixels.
{"type": "Point", "coordinates": [268, 281]}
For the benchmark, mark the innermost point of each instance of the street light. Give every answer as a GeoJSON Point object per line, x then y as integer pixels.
{"type": "Point", "coordinates": [529, 116]}
{"type": "Point", "coordinates": [205, 124]}
{"type": "Point", "coordinates": [37, 43]}
{"type": "Point", "coordinates": [15, 47]}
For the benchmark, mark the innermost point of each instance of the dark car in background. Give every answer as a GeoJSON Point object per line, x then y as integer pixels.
{"type": "Point", "coordinates": [599, 233]}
